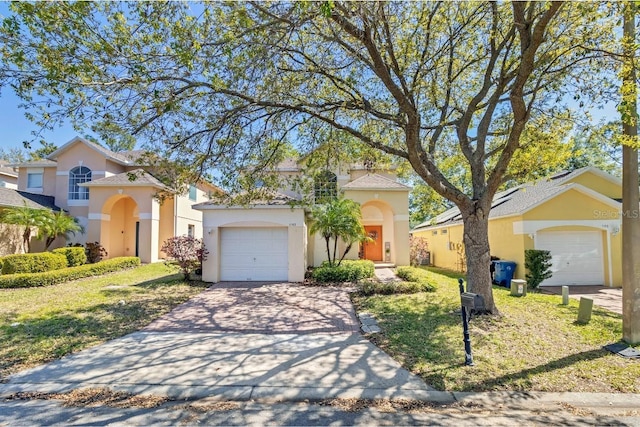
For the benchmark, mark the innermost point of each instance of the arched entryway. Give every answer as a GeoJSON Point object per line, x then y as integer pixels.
{"type": "Point", "coordinates": [121, 233]}
{"type": "Point", "coordinates": [377, 218]}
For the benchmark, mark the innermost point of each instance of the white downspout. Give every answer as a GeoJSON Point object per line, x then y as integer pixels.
{"type": "Point", "coordinates": [609, 258]}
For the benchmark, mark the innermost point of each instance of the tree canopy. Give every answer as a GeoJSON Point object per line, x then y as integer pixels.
{"type": "Point", "coordinates": [228, 85]}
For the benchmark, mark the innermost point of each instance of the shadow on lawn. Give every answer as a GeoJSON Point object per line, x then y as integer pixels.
{"type": "Point", "coordinates": [509, 379]}
{"type": "Point", "coordinates": [57, 334]}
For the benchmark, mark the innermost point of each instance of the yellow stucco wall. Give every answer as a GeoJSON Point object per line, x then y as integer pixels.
{"type": "Point", "coordinates": [600, 184]}
{"type": "Point", "coordinates": [445, 245]}
{"type": "Point", "coordinates": [508, 242]}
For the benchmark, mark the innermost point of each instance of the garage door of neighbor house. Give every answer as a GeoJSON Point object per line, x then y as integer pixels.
{"type": "Point", "coordinates": [255, 253]}
{"type": "Point", "coordinates": [576, 256]}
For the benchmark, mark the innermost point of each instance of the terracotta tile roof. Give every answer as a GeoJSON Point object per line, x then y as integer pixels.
{"type": "Point", "coordinates": [134, 178]}
{"type": "Point", "coordinates": [374, 182]}
{"type": "Point", "coordinates": [15, 198]}
{"type": "Point", "coordinates": [515, 200]}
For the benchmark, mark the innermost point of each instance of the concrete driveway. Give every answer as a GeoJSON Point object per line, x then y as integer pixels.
{"type": "Point", "coordinates": [272, 341]}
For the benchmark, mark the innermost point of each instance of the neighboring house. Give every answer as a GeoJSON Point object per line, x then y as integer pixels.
{"type": "Point", "coordinates": [113, 197]}
{"type": "Point", "coordinates": [270, 239]}
{"type": "Point", "coordinates": [575, 215]}
{"type": "Point", "coordinates": [8, 177]}
{"type": "Point", "coordinates": [11, 235]}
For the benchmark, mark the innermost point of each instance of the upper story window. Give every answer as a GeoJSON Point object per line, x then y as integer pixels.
{"type": "Point", "coordinates": [34, 179]}
{"type": "Point", "coordinates": [78, 175]}
{"type": "Point", "coordinates": [325, 186]}
{"type": "Point", "coordinates": [193, 194]}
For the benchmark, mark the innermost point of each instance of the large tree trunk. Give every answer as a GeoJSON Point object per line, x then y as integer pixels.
{"type": "Point", "coordinates": [630, 193]}
{"type": "Point", "coordinates": [476, 242]}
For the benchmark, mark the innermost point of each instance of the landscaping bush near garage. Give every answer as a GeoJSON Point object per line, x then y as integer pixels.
{"type": "Point", "coordinates": [28, 280]}
{"type": "Point", "coordinates": [347, 271]}
{"type": "Point", "coordinates": [75, 255]}
{"type": "Point", "coordinates": [33, 263]}
{"type": "Point", "coordinates": [415, 280]}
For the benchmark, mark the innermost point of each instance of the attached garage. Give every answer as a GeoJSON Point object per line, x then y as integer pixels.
{"type": "Point", "coordinates": [254, 253]}
{"type": "Point", "coordinates": [577, 257]}
{"type": "Point", "coordinates": [256, 243]}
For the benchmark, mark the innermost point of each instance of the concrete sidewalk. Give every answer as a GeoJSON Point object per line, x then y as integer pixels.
{"type": "Point", "coordinates": [273, 341]}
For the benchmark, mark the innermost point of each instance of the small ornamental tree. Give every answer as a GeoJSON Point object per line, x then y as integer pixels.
{"type": "Point", "coordinates": [338, 219]}
{"type": "Point", "coordinates": [188, 252]}
{"type": "Point", "coordinates": [538, 265]}
{"type": "Point", "coordinates": [418, 250]}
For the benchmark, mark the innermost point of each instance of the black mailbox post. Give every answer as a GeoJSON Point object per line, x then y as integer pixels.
{"type": "Point", "coordinates": [469, 301]}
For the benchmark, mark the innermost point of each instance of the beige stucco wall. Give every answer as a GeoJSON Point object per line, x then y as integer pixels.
{"type": "Point", "coordinates": [48, 180]}
{"type": "Point", "coordinates": [281, 216]}
{"type": "Point", "coordinates": [391, 210]}
{"type": "Point", "coordinates": [108, 216]}
{"type": "Point", "coordinates": [8, 181]}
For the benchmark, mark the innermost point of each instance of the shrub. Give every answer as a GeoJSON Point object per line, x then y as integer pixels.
{"type": "Point", "coordinates": [415, 280]}
{"type": "Point", "coordinates": [347, 271]}
{"type": "Point", "coordinates": [33, 263]}
{"type": "Point", "coordinates": [95, 252]}
{"type": "Point", "coordinates": [187, 251]}
{"type": "Point", "coordinates": [418, 250]}
{"type": "Point", "coordinates": [538, 264]}
{"type": "Point", "coordinates": [75, 255]}
{"type": "Point", "coordinates": [67, 274]}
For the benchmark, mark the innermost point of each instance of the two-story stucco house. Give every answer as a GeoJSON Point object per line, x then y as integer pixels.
{"type": "Point", "coordinates": [113, 197]}
{"type": "Point", "coordinates": [270, 239]}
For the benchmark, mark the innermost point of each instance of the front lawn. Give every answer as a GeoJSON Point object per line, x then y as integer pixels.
{"type": "Point", "coordinates": [41, 324]}
{"type": "Point", "coordinates": [534, 345]}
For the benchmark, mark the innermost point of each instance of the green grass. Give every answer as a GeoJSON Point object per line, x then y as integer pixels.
{"type": "Point", "coordinates": [41, 324]}
{"type": "Point", "coordinates": [534, 345]}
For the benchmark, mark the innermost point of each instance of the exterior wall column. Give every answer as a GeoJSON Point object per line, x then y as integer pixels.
{"type": "Point", "coordinates": [211, 264]}
{"type": "Point", "coordinates": [401, 239]}
{"type": "Point", "coordinates": [149, 233]}
{"type": "Point", "coordinates": [297, 252]}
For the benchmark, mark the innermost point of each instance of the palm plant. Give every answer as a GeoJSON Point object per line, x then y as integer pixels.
{"type": "Point", "coordinates": [338, 219]}
{"type": "Point", "coordinates": [27, 217]}
{"type": "Point", "coordinates": [58, 224]}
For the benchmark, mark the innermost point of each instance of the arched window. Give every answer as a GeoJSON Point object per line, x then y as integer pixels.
{"type": "Point", "coordinates": [78, 175]}
{"type": "Point", "coordinates": [325, 186]}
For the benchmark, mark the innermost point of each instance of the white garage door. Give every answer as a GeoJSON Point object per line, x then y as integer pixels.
{"type": "Point", "coordinates": [254, 254]}
{"type": "Point", "coordinates": [576, 256]}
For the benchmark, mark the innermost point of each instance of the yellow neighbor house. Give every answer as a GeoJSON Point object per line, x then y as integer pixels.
{"type": "Point", "coordinates": [112, 195]}
{"type": "Point", "coordinates": [575, 215]}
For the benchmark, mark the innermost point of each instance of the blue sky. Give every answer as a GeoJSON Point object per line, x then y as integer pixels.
{"type": "Point", "coordinates": [15, 128]}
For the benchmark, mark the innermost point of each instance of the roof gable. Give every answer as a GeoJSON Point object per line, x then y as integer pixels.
{"type": "Point", "coordinates": [121, 158]}
{"type": "Point", "coordinates": [372, 181]}
{"type": "Point", "coordinates": [522, 198]}
{"type": "Point", "coordinates": [134, 178]}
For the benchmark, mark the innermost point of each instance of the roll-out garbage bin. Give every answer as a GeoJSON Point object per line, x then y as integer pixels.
{"type": "Point", "coordinates": [504, 272]}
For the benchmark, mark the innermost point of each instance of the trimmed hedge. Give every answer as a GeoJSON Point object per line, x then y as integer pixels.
{"type": "Point", "coordinates": [75, 255]}
{"type": "Point", "coordinates": [33, 263]}
{"type": "Point", "coordinates": [347, 271]}
{"type": "Point", "coordinates": [29, 280]}
{"type": "Point", "coordinates": [416, 280]}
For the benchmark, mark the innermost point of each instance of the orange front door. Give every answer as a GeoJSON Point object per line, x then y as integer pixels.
{"type": "Point", "coordinates": [373, 249]}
